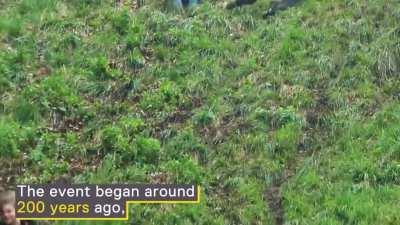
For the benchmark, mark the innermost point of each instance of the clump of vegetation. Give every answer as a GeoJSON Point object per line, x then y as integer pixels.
{"type": "Point", "coordinates": [9, 140]}
{"type": "Point", "coordinates": [148, 149]}
{"type": "Point", "coordinates": [114, 140]}
{"type": "Point", "coordinates": [204, 117]}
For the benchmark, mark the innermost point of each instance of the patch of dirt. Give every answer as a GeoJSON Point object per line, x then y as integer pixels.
{"type": "Point", "coordinates": [275, 203]}
{"type": "Point", "coordinates": [60, 123]}
{"type": "Point", "coordinates": [9, 172]}
{"type": "Point", "coordinates": [314, 117]}
{"type": "Point", "coordinates": [273, 194]}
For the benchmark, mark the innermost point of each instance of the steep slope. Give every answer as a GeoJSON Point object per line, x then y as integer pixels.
{"type": "Point", "coordinates": [290, 120]}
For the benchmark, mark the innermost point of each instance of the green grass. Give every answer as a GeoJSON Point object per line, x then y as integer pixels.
{"type": "Point", "coordinates": [222, 98]}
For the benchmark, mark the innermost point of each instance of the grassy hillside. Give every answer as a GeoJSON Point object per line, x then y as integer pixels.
{"type": "Point", "coordinates": [291, 120]}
